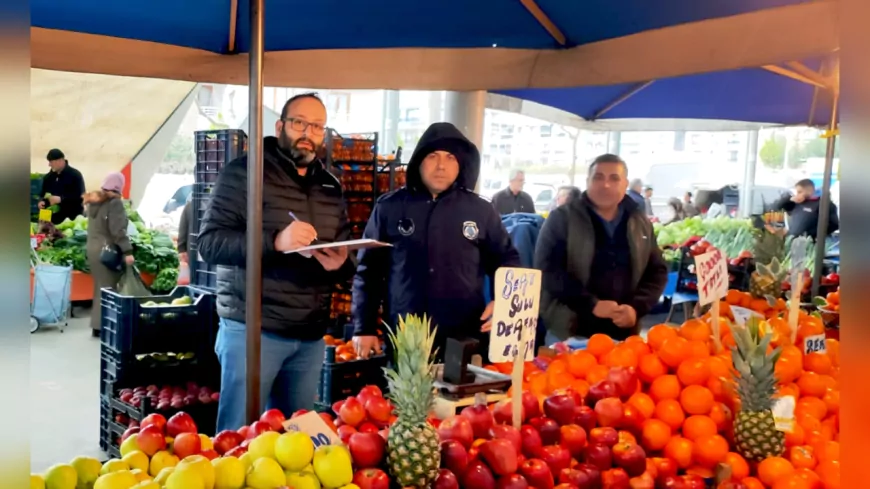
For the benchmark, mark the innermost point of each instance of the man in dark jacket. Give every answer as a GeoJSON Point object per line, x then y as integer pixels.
{"type": "Point", "coordinates": [446, 239]}
{"type": "Point", "coordinates": [803, 211]}
{"type": "Point", "coordinates": [301, 202]}
{"type": "Point", "coordinates": [66, 186]}
{"type": "Point", "coordinates": [184, 230]}
{"type": "Point", "coordinates": [602, 269]}
{"type": "Point", "coordinates": [512, 199]}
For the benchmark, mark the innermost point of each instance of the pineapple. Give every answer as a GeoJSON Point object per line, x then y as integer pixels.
{"type": "Point", "coordinates": [755, 433]}
{"type": "Point", "coordinates": [766, 280]}
{"type": "Point", "coordinates": [413, 446]}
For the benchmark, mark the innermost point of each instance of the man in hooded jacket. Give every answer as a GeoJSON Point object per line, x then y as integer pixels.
{"type": "Point", "coordinates": [446, 239]}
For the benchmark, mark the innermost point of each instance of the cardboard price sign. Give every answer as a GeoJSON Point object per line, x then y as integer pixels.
{"type": "Point", "coordinates": [313, 425]}
{"type": "Point", "coordinates": [515, 315]}
{"type": "Point", "coordinates": [712, 270]}
{"type": "Point", "coordinates": [742, 315]}
{"type": "Point", "coordinates": [815, 344]}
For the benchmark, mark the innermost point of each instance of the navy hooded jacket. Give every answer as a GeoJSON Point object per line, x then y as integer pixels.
{"type": "Point", "coordinates": [443, 248]}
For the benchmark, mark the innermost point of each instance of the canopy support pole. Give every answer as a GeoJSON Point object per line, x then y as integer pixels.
{"type": "Point", "coordinates": [622, 98]}
{"type": "Point", "coordinates": [544, 20]}
{"type": "Point", "coordinates": [825, 202]}
{"type": "Point", "coordinates": [234, 14]}
{"type": "Point", "coordinates": [779, 70]}
{"type": "Point", "coordinates": [254, 234]}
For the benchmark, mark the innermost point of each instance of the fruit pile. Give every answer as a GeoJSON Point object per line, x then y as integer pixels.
{"type": "Point", "coordinates": [344, 351]}
{"type": "Point", "coordinates": [168, 397]}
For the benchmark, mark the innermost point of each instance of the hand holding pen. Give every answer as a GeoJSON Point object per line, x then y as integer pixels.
{"type": "Point", "coordinates": [297, 235]}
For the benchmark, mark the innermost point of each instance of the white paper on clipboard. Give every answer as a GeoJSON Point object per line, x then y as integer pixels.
{"type": "Point", "coordinates": [354, 244]}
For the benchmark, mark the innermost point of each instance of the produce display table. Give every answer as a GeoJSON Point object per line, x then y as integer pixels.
{"type": "Point", "coordinates": [81, 289]}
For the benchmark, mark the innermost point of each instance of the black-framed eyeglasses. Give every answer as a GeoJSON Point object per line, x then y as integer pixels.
{"type": "Point", "coordinates": [300, 126]}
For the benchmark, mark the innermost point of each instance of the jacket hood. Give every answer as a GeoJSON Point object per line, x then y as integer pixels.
{"type": "Point", "coordinates": [443, 136]}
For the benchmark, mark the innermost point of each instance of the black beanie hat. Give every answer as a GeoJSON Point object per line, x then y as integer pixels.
{"type": "Point", "coordinates": [55, 154]}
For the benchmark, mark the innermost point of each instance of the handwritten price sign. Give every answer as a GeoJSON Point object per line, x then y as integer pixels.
{"type": "Point", "coordinates": [712, 270]}
{"type": "Point", "coordinates": [815, 344]}
{"type": "Point", "coordinates": [313, 425]}
{"type": "Point", "coordinates": [515, 315]}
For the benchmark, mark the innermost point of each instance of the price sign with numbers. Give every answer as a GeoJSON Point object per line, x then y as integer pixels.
{"type": "Point", "coordinates": [313, 425]}
{"type": "Point", "coordinates": [742, 315]}
{"type": "Point", "coordinates": [815, 344]}
{"type": "Point", "coordinates": [712, 270]}
{"type": "Point", "coordinates": [517, 300]}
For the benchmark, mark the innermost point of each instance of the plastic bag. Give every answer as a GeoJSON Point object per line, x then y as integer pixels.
{"type": "Point", "coordinates": [131, 284]}
{"type": "Point", "coordinates": [183, 273]}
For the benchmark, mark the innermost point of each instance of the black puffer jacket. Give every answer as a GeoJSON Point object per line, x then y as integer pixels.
{"type": "Point", "coordinates": [296, 290]}
{"type": "Point", "coordinates": [442, 248]}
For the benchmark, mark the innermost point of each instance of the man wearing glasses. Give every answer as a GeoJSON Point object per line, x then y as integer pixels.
{"type": "Point", "coordinates": [302, 202]}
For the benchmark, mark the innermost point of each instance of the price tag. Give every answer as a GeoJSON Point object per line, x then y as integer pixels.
{"type": "Point", "coordinates": [33, 243]}
{"type": "Point", "coordinates": [313, 425]}
{"type": "Point", "coordinates": [783, 414]}
{"type": "Point", "coordinates": [712, 270]}
{"type": "Point", "coordinates": [517, 300]}
{"type": "Point", "coordinates": [742, 315]}
{"type": "Point", "coordinates": [815, 344]}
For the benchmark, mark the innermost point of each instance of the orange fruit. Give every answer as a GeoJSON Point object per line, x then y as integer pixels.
{"type": "Point", "coordinates": [796, 437]}
{"type": "Point", "coordinates": [718, 367]}
{"type": "Point", "coordinates": [699, 349]}
{"type": "Point", "coordinates": [802, 457]}
{"type": "Point", "coordinates": [792, 482]}
{"type": "Point", "coordinates": [788, 390]}
{"type": "Point", "coordinates": [557, 366]}
{"type": "Point", "coordinates": [811, 477]}
{"type": "Point", "coordinates": [697, 426]}
{"type": "Point", "coordinates": [658, 334]}
{"type": "Point", "coordinates": [703, 472]}
{"type": "Point", "coordinates": [833, 347]}
{"type": "Point", "coordinates": [718, 387]}
{"type": "Point", "coordinates": [693, 372]}
{"type": "Point", "coordinates": [680, 450]}
{"type": "Point", "coordinates": [643, 403]}
{"type": "Point", "coordinates": [559, 380]}
{"type": "Point", "coordinates": [538, 385]}
{"type": "Point", "coordinates": [734, 297]}
{"type": "Point", "coordinates": [695, 329]}
{"type": "Point", "coordinates": [752, 483]}
{"type": "Point", "coordinates": [812, 406]}
{"type": "Point", "coordinates": [674, 351]}
{"type": "Point", "coordinates": [665, 387]}
{"type": "Point", "coordinates": [650, 367]}
{"type": "Point", "coordinates": [808, 423]}
{"type": "Point", "coordinates": [597, 373]}
{"type": "Point", "coordinates": [710, 450]}
{"type": "Point", "coordinates": [580, 386]}
{"type": "Point", "coordinates": [811, 384]}
{"type": "Point", "coordinates": [599, 344]}
{"type": "Point", "coordinates": [637, 344]}
{"type": "Point", "coordinates": [827, 452]}
{"type": "Point", "coordinates": [621, 356]}
{"type": "Point", "coordinates": [671, 413]}
{"type": "Point", "coordinates": [829, 473]}
{"type": "Point", "coordinates": [655, 434]}
{"type": "Point", "coordinates": [580, 362]}
{"type": "Point", "coordinates": [696, 399]}
{"type": "Point", "coordinates": [792, 352]}
{"type": "Point", "coordinates": [787, 369]}
{"type": "Point", "coordinates": [738, 464]}
{"type": "Point", "coordinates": [819, 363]}
{"type": "Point", "coordinates": [721, 415]}
{"type": "Point", "coordinates": [773, 469]}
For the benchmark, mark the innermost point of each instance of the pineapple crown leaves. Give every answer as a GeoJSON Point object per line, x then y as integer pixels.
{"type": "Point", "coordinates": [753, 366]}
{"type": "Point", "coordinates": [773, 269]}
{"type": "Point", "coordinates": [411, 381]}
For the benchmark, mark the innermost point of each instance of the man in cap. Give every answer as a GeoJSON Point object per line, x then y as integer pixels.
{"type": "Point", "coordinates": [66, 186]}
{"type": "Point", "coordinates": [446, 239]}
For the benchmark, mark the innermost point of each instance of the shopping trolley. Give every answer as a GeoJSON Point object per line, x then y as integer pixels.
{"type": "Point", "coordinates": [50, 301]}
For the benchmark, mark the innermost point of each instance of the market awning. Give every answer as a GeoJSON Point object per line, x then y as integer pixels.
{"type": "Point", "coordinates": [454, 45]}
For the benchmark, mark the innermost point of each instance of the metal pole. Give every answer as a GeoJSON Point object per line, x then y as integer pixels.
{"type": "Point", "coordinates": [825, 202]}
{"type": "Point", "coordinates": [254, 236]}
{"type": "Point", "coordinates": [746, 192]}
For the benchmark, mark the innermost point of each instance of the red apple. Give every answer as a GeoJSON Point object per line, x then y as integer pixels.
{"type": "Point", "coordinates": [180, 423]}
{"type": "Point", "coordinates": [244, 432]}
{"type": "Point", "coordinates": [624, 379]}
{"type": "Point", "coordinates": [456, 428]}
{"type": "Point", "coordinates": [480, 418]}
{"type": "Point", "coordinates": [366, 449]}
{"type": "Point", "coordinates": [632, 419]}
{"type": "Point", "coordinates": [665, 467]}
{"type": "Point", "coordinates": [531, 441]}
{"type": "Point", "coordinates": [573, 438]}
{"type": "Point", "coordinates": [367, 427]}
{"type": "Point", "coordinates": [129, 432]}
{"type": "Point", "coordinates": [336, 406]}
{"type": "Point", "coordinates": [560, 408]}
{"type": "Point", "coordinates": [643, 481]}
{"type": "Point", "coordinates": [379, 410]}
{"type": "Point", "coordinates": [600, 390]}
{"type": "Point", "coordinates": [671, 482]}
{"type": "Point", "coordinates": [186, 444]}
{"type": "Point", "coordinates": [509, 433]}
{"type": "Point", "coordinates": [371, 479]}
{"type": "Point", "coordinates": [298, 412]}
{"type": "Point", "coordinates": [454, 456]}
{"type": "Point", "coordinates": [345, 432]}
{"type": "Point", "coordinates": [352, 412]}
{"type": "Point", "coordinates": [500, 455]}
{"type": "Point", "coordinates": [257, 428]}
{"type": "Point", "coordinates": [478, 476]}
{"type": "Point", "coordinates": [537, 473]}
{"type": "Point", "coordinates": [503, 413]}
{"type": "Point", "coordinates": [731, 485]}
{"type": "Point", "coordinates": [227, 440]}
{"type": "Point", "coordinates": [584, 417]}
{"type": "Point", "coordinates": [151, 440]}
{"type": "Point", "coordinates": [531, 405]}
{"type": "Point", "coordinates": [237, 452]}
{"type": "Point", "coordinates": [154, 419]}
{"type": "Point", "coordinates": [512, 481]}
{"type": "Point", "coordinates": [694, 481]}
{"type": "Point", "coordinates": [548, 428]}
{"type": "Point", "coordinates": [609, 412]}
{"type": "Point", "coordinates": [446, 480]}
{"type": "Point", "coordinates": [604, 436]}
{"type": "Point", "coordinates": [599, 456]}
{"type": "Point", "coordinates": [209, 454]}
{"type": "Point", "coordinates": [566, 486]}
{"type": "Point", "coordinates": [369, 392]}
{"type": "Point", "coordinates": [275, 418]}
{"type": "Point", "coordinates": [557, 458]}
{"type": "Point", "coordinates": [630, 457]}
{"type": "Point", "coordinates": [615, 479]}
{"type": "Point", "coordinates": [592, 475]}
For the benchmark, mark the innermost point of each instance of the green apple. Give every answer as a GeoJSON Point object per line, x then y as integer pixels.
{"type": "Point", "coordinates": [136, 460]}
{"type": "Point", "coordinates": [294, 451]}
{"type": "Point", "coordinates": [141, 475]}
{"type": "Point", "coordinates": [263, 446]}
{"type": "Point", "coordinates": [185, 478]}
{"type": "Point", "coordinates": [265, 473]}
{"type": "Point", "coordinates": [229, 473]}
{"type": "Point", "coordinates": [122, 479]}
{"type": "Point", "coordinates": [61, 476]}
{"type": "Point", "coordinates": [163, 475]}
{"type": "Point", "coordinates": [113, 465]}
{"type": "Point", "coordinates": [88, 469]}
{"type": "Point", "coordinates": [333, 466]}
{"type": "Point", "coordinates": [130, 444]}
{"type": "Point", "coordinates": [302, 480]}
{"type": "Point", "coordinates": [160, 461]}
{"type": "Point", "coordinates": [247, 460]}
{"type": "Point", "coordinates": [202, 466]}
{"type": "Point", "coordinates": [37, 482]}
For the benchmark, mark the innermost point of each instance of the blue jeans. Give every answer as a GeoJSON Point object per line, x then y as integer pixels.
{"type": "Point", "coordinates": [289, 373]}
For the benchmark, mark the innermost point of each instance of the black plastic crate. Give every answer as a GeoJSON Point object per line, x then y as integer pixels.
{"type": "Point", "coordinates": [204, 415]}
{"type": "Point", "coordinates": [352, 148]}
{"type": "Point", "coordinates": [202, 275]}
{"type": "Point", "coordinates": [338, 380]}
{"type": "Point", "coordinates": [144, 370]}
{"type": "Point", "coordinates": [216, 148]}
{"type": "Point", "coordinates": [110, 430]}
{"type": "Point", "coordinates": [127, 327]}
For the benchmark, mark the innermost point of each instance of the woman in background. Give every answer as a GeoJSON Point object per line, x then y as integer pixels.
{"type": "Point", "coordinates": [107, 226]}
{"type": "Point", "coordinates": [676, 211]}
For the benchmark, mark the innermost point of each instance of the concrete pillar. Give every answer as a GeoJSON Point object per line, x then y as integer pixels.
{"type": "Point", "coordinates": [749, 174]}
{"type": "Point", "coordinates": [390, 127]}
{"type": "Point", "coordinates": [614, 142]}
{"type": "Point", "coordinates": [466, 110]}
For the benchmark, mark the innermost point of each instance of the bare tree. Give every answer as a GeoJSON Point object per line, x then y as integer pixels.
{"type": "Point", "coordinates": [574, 133]}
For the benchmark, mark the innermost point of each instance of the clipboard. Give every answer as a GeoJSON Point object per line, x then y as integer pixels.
{"type": "Point", "coordinates": [354, 244]}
